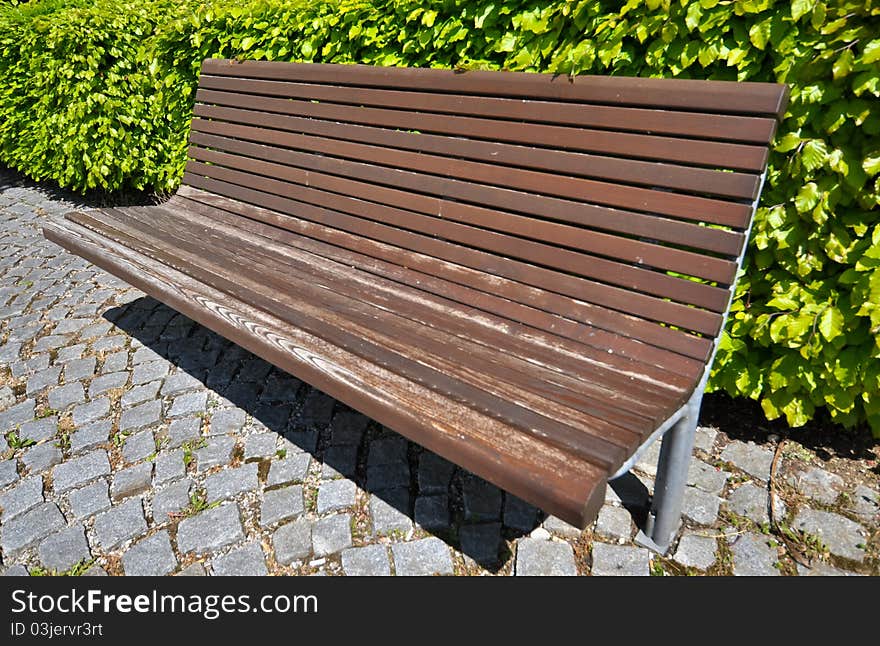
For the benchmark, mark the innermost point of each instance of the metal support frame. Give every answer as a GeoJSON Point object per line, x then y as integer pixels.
{"type": "Point", "coordinates": [664, 516]}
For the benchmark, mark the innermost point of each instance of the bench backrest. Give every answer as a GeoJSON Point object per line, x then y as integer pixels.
{"type": "Point", "coordinates": [608, 195]}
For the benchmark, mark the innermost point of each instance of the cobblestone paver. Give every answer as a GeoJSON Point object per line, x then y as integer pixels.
{"type": "Point", "coordinates": [134, 441]}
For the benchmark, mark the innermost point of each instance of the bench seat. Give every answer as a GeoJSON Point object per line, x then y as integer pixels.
{"type": "Point", "coordinates": [525, 273]}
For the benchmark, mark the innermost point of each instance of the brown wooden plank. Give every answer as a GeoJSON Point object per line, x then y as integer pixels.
{"type": "Point", "coordinates": [576, 320]}
{"type": "Point", "coordinates": [407, 223]}
{"type": "Point", "coordinates": [656, 389]}
{"type": "Point", "coordinates": [633, 410]}
{"type": "Point", "coordinates": [757, 130]}
{"type": "Point", "coordinates": [565, 163]}
{"type": "Point", "coordinates": [593, 242]}
{"type": "Point", "coordinates": [625, 300]}
{"type": "Point", "coordinates": [533, 470]}
{"type": "Point", "coordinates": [583, 215]}
{"type": "Point", "coordinates": [493, 398]}
{"type": "Point", "coordinates": [726, 97]}
{"type": "Point", "coordinates": [713, 154]}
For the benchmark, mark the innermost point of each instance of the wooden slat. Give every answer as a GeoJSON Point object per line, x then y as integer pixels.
{"type": "Point", "coordinates": [585, 215]}
{"type": "Point", "coordinates": [529, 468]}
{"type": "Point", "coordinates": [577, 320]}
{"type": "Point", "coordinates": [593, 242]}
{"type": "Point", "coordinates": [565, 163]}
{"type": "Point", "coordinates": [635, 405]}
{"type": "Point", "coordinates": [624, 300]}
{"type": "Point", "coordinates": [712, 154]}
{"type": "Point", "coordinates": [757, 130]}
{"type": "Point", "coordinates": [725, 97]}
{"type": "Point", "coordinates": [430, 369]}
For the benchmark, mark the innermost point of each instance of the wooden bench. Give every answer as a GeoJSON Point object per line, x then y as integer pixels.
{"type": "Point", "coordinates": [500, 266]}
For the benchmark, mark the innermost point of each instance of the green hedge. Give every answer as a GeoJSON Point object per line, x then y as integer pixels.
{"type": "Point", "coordinates": [98, 95]}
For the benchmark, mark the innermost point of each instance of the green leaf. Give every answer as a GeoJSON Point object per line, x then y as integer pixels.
{"type": "Point", "coordinates": [807, 197]}
{"type": "Point", "coordinates": [759, 34]}
{"type": "Point", "coordinates": [787, 142]}
{"type": "Point", "coordinates": [843, 65]}
{"type": "Point", "coordinates": [831, 323]}
{"type": "Point", "coordinates": [871, 53]}
{"type": "Point", "coordinates": [813, 154]}
{"type": "Point", "coordinates": [871, 163]}
{"type": "Point", "coordinates": [800, 8]}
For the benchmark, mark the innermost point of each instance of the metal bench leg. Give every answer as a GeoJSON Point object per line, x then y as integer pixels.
{"type": "Point", "coordinates": [664, 517]}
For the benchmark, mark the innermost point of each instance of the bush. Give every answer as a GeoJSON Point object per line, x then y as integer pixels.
{"type": "Point", "coordinates": [107, 104]}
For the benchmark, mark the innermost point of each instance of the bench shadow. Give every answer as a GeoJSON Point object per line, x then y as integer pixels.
{"type": "Point", "coordinates": [405, 482]}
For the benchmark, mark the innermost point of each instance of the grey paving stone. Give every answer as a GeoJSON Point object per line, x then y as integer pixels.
{"type": "Point", "coordinates": [90, 436]}
{"type": "Point", "coordinates": [116, 362]}
{"type": "Point", "coordinates": [152, 556]}
{"type": "Point", "coordinates": [292, 541]}
{"type": "Point", "coordinates": [78, 471]}
{"type": "Point", "coordinates": [519, 515]}
{"type": "Point", "coordinates": [140, 416]}
{"type": "Point", "coordinates": [89, 500]}
{"type": "Point", "coordinates": [388, 476]}
{"type": "Point", "coordinates": [8, 472]}
{"type": "Point", "coordinates": [865, 503]}
{"type": "Point", "coordinates": [144, 355]}
{"type": "Point", "coordinates": [699, 506]}
{"type": "Point", "coordinates": [752, 501]}
{"type": "Point", "coordinates": [435, 473]}
{"type": "Point", "coordinates": [218, 450]}
{"type": "Point", "coordinates": [138, 446]}
{"type": "Point", "coordinates": [647, 463]}
{"type": "Point", "coordinates": [340, 461]}
{"type": "Point", "coordinates": [39, 429]}
{"type": "Point", "coordinates": [749, 457]}
{"type": "Point", "coordinates": [331, 534]}
{"type": "Point", "coordinates": [614, 523]}
{"type": "Point", "coordinates": [16, 570]}
{"type": "Point", "coordinates": [181, 431]}
{"type": "Point", "coordinates": [120, 524]}
{"type": "Point", "coordinates": [66, 395]}
{"type": "Point", "coordinates": [10, 351]}
{"type": "Point", "coordinates": [131, 481]}
{"type": "Point", "coordinates": [704, 439]}
{"type": "Point", "coordinates": [91, 412]}
{"type": "Point", "coordinates": [64, 549]}
{"type": "Point", "coordinates": [385, 509]}
{"type": "Point", "coordinates": [620, 560]}
{"type": "Point", "coordinates": [300, 441]}
{"type": "Point", "coordinates": [231, 482]}
{"type": "Point", "coordinates": [71, 354]}
{"type": "Point", "coordinates": [210, 530]}
{"type": "Point", "coordinates": [290, 469]}
{"type": "Point", "coordinates": [104, 383]}
{"type": "Point", "coordinates": [481, 542]}
{"type": "Point", "coordinates": [95, 330]}
{"type": "Point", "coordinates": [706, 477]}
{"type": "Point", "coordinates": [820, 569]}
{"type": "Point", "coordinates": [387, 450]}
{"type": "Point", "coordinates": [30, 527]}
{"type": "Point", "coordinates": [227, 420]}
{"type": "Point", "coordinates": [347, 428]}
{"type": "Point", "coordinates": [168, 466]}
{"type": "Point", "coordinates": [17, 414]}
{"type": "Point", "coordinates": [559, 527]}
{"type": "Point", "coordinates": [696, 551]}
{"type": "Point", "coordinates": [178, 383]}
{"type": "Point", "coordinates": [77, 369]}
{"type": "Point", "coordinates": [335, 495]}
{"type": "Point", "coordinates": [259, 445]}
{"type": "Point", "coordinates": [482, 500]}
{"type": "Point", "coordinates": [7, 397]}
{"type": "Point", "coordinates": [26, 495]}
{"type": "Point", "coordinates": [818, 484]}
{"type": "Point", "coordinates": [753, 556]}
{"type": "Point", "coordinates": [189, 404]}
{"type": "Point", "coordinates": [281, 504]}
{"type": "Point", "coordinates": [42, 457]}
{"type": "Point", "coordinates": [193, 569]}
{"type": "Point", "coordinates": [317, 409]}
{"type": "Point", "coordinates": [425, 557]}
{"type": "Point", "coordinates": [842, 536]}
{"type": "Point", "coordinates": [432, 512]}
{"type": "Point", "coordinates": [43, 379]}
{"type": "Point", "coordinates": [171, 499]}
{"type": "Point", "coordinates": [544, 558]}
{"type": "Point", "coordinates": [50, 342]}
{"type": "Point", "coordinates": [150, 371]}
{"type": "Point", "coordinates": [247, 560]}
{"type": "Point", "coordinates": [371, 560]}
{"type": "Point", "coordinates": [138, 394]}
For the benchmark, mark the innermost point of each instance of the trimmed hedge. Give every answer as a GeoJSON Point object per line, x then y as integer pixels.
{"type": "Point", "coordinates": [98, 95]}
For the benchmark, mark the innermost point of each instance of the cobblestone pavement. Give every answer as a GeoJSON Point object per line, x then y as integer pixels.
{"type": "Point", "coordinates": [135, 441]}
